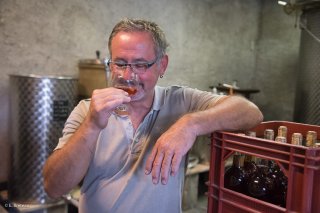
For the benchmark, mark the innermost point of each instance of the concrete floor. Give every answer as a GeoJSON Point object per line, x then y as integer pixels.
{"type": "Point", "coordinates": [201, 206]}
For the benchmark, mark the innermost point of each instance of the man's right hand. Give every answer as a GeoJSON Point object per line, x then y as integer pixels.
{"type": "Point", "coordinates": [103, 102]}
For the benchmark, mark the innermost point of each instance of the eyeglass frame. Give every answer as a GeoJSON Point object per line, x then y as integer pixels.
{"type": "Point", "coordinates": [123, 66]}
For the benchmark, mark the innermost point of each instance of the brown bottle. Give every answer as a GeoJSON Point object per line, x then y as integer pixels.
{"type": "Point", "coordinates": [278, 193]}
{"type": "Point", "coordinates": [249, 166]}
{"type": "Point", "coordinates": [234, 176]}
{"type": "Point", "coordinates": [249, 169]}
{"type": "Point", "coordinates": [259, 184]}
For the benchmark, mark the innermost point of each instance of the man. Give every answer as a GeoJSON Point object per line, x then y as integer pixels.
{"type": "Point", "coordinates": [136, 162]}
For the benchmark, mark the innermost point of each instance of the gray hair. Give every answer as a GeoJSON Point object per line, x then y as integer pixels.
{"type": "Point", "coordinates": [140, 25]}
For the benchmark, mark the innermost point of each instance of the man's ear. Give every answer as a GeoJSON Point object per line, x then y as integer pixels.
{"type": "Point", "coordinates": [164, 64]}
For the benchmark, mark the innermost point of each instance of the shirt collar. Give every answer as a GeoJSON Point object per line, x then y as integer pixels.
{"type": "Point", "coordinates": [158, 101]}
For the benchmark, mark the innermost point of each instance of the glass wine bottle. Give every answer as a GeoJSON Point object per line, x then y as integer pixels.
{"type": "Point", "coordinates": [259, 184]}
{"type": "Point", "coordinates": [278, 194]}
{"type": "Point", "coordinates": [234, 176]}
{"type": "Point", "coordinates": [249, 168]}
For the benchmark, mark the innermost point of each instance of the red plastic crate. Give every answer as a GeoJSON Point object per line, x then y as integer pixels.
{"type": "Point", "coordinates": [300, 164]}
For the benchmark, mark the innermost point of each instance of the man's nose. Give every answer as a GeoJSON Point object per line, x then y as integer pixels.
{"type": "Point", "coordinates": [127, 73]}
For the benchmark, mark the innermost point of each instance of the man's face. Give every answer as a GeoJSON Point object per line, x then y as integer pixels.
{"type": "Point", "coordinates": [138, 47]}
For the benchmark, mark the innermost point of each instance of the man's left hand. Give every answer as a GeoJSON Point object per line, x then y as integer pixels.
{"type": "Point", "coordinates": [169, 150]}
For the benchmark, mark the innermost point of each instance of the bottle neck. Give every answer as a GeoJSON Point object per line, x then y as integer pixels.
{"type": "Point", "coordinates": [237, 161]}
{"type": "Point", "coordinates": [248, 158]}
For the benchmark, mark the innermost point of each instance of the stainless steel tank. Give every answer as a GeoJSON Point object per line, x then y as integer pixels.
{"type": "Point", "coordinates": [39, 107]}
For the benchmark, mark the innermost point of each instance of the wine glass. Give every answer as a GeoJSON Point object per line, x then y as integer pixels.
{"type": "Point", "coordinates": [129, 83]}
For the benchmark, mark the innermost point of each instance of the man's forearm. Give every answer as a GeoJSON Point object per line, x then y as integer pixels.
{"type": "Point", "coordinates": [66, 167]}
{"type": "Point", "coordinates": [231, 113]}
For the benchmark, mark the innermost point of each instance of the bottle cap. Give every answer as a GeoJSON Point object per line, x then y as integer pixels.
{"type": "Point", "coordinates": [296, 139]}
{"type": "Point", "coordinates": [269, 134]}
{"type": "Point", "coordinates": [281, 139]}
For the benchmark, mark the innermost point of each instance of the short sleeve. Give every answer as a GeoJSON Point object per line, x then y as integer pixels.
{"type": "Point", "coordinates": [73, 122]}
{"type": "Point", "coordinates": [201, 100]}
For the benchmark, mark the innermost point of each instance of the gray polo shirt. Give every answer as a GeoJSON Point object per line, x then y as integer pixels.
{"type": "Point", "coordinates": [115, 181]}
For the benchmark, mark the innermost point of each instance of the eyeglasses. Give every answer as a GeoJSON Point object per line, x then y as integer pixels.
{"type": "Point", "coordinates": [135, 67]}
